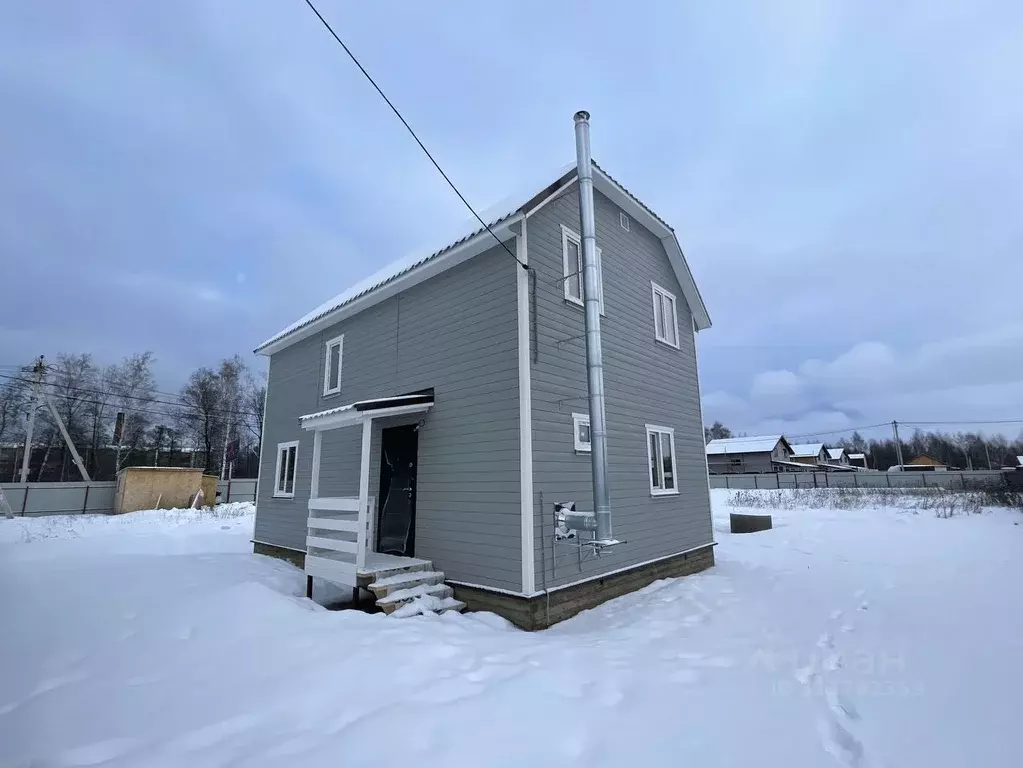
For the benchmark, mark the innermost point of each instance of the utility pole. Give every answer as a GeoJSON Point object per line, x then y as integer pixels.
{"type": "Point", "coordinates": [42, 398]}
{"type": "Point", "coordinates": [38, 369]}
{"type": "Point", "coordinates": [898, 444]}
{"type": "Point", "coordinates": [987, 453]}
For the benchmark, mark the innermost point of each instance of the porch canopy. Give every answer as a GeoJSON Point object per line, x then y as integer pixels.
{"type": "Point", "coordinates": [330, 554]}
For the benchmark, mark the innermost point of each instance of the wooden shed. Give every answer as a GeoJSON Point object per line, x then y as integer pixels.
{"type": "Point", "coordinates": [162, 488]}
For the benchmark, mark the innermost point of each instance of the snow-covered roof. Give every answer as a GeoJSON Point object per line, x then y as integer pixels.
{"type": "Point", "coordinates": [762, 444]}
{"type": "Point", "coordinates": [499, 218]}
{"type": "Point", "coordinates": [835, 453]}
{"type": "Point", "coordinates": [1019, 460]}
{"type": "Point", "coordinates": [807, 450]}
{"type": "Point", "coordinates": [857, 455]}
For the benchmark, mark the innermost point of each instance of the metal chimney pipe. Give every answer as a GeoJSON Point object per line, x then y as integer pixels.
{"type": "Point", "coordinates": [594, 354]}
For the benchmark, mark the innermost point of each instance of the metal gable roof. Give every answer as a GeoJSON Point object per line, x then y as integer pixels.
{"type": "Point", "coordinates": [762, 444]}
{"type": "Point", "coordinates": [503, 215]}
{"type": "Point", "coordinates": [807, 450]}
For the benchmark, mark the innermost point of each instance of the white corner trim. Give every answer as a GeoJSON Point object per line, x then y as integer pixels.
{"type": "Point", "coordinates": [699, 410]}
{"type": "Point", "coordinates": [262, 438]}
{"type": "Point", "coordinates": [525, 415]}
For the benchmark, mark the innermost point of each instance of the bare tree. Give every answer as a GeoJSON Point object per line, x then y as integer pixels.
{"type": "Point", "coordinates": [201, 411]}
{"type": "Point", "coordinates": [254, 404]}
{"type": "Point", "coordinates": [71, 387]}
{"type": "Point", "coordinates": [232, 375]}
{"type": "Point", "coordinates": [132, 385]}
{"type": "Point", "coordinates": [99, 412]}
{"type": "Point", "coordinates": [15, 398]}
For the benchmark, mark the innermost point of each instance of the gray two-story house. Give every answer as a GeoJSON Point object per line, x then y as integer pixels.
{"type": "Point", "coordinates": [441, 405]}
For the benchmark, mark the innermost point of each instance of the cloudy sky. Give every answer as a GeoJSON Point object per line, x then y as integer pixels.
{"type": "Point", "coordinates": [845, 178]}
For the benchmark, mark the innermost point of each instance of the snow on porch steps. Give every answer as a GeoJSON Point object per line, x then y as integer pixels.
{"type": "Point", "coordinates": [413, 593]}
{"type": "Point", "coordinates": [390, 584]}
{"type": "Point", "coordinates": [428, 604]}
{"type": "Point", "coordinates": [400, 596]}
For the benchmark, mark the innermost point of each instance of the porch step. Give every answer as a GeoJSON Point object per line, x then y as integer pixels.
{"type": "Point", "coordinates": [382, 574]}
{"type": "Point", "coordinates": [428, 604]}
{"type": "Point", "coordinates": [401, 597]}
{"type": "Point", "coordinates": [383, 587]}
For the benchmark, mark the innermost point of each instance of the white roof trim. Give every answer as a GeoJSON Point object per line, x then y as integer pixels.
{"type": "Point", "coordinates": [349, 416]}
{"type": "Point", "coordinates": [408, 272]}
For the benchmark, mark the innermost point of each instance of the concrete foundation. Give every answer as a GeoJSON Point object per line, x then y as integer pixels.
{"type": "Point", "coordinates": [544, 611]}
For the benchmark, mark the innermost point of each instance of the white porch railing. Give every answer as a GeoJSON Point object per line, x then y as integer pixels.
{"type": "Point", "coordinates": [329, 554]}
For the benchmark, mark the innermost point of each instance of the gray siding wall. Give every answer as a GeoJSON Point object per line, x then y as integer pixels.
{"type": "Point", "coordinates": [751, 462]}
{"type": "Point", "coordinates": [646, 382]}
{"type": "Point", "coordinates": [456, 333]}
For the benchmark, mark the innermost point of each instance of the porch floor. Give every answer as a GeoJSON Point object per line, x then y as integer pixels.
{"type": "Point", "coordinates": [377, 562]}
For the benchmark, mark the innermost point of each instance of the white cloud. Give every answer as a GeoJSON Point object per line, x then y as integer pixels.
{"type": "Point", "coordinates": [967, 378]}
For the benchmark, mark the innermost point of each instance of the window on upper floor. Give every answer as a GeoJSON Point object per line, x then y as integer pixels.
{"type": "Point", "coordinates": [581, 431]}
{"type": "Point", "coordinates": [332, 367]}
{"type": "Point", "coordinates": [665, 316]}
{"type": "Point", "coordinates": [623, 219]}
{"type": "Point", "coordinates": [284, 476]}
{"type": "Point", "coordinates": [572, 256]}
{"type": "Point", "coordinates": [660, 446]}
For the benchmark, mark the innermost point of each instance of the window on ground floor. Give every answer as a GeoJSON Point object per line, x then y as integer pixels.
{"type": "Point", "coordinates": [287, 457]}
{"type": "Point", "coordinates": [660, 446]}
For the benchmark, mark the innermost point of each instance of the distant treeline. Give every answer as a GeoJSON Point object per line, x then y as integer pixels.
{"type": "Point", "coordinates": [116, 417]}
{"type": "Point", "coordinates": [962, 450]}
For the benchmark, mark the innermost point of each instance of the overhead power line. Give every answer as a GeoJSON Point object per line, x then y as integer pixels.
{"type": "Point", "coordinates": [58, 388]}
{"type": "Point", "coordinates": [412, 133]}
{"type": "Point", "coordinates": [840, 431]}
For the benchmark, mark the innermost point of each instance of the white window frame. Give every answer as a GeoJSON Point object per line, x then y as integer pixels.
{"type": "Point", "coordinates": [660, 490]}
{"type": "Point", "coordinates": [339, 342]}
{"type": "Point", "coordinates": [578, 419]}
{"type": "Point", "coordinates": [623, 220]}
{"type": "Point", "coordinates": [657, 292]}
{"type": "Point", "coordinates": [285, 448]}
{"type": "Point", "coordinates": [567, 236]}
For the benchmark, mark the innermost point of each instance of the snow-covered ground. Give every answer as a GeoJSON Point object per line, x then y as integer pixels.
{"type": "Point", "coordinates": [882, 637]}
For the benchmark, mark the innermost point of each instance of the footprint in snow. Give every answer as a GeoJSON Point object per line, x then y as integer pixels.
{"type": "Point", "coordinates": [841, 704]}
{"type": "Point", "coordinates": [839, 742]}
{"type": "Point", "coordinates": [825, 641]}
{"type": "Point", "coordinates": [836, 614]}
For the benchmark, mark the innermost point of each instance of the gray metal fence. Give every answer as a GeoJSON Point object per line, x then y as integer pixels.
{"type": "Point", "coordinates": [95, 498]}
{"type": "Point", "coordinates": [77, 498]}
{"type": "Point", "coordinates": [774, 481]}
{"type": "Point", "coordinates": [236, 490]}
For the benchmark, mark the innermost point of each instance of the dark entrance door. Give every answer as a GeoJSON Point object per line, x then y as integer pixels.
{"type": "Point", "coordinates": [396, 529]}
